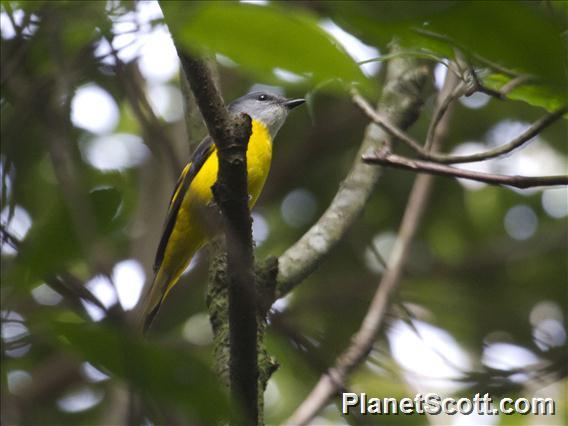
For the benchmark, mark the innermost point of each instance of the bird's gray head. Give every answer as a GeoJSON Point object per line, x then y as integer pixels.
{"type": "Point", "coordinates": [268, 108]}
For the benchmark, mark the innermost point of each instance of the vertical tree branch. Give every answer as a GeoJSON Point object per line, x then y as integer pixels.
{"type": "Point", "coordinates": [230, 134]}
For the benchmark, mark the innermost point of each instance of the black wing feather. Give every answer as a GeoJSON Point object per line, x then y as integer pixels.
{"type": "Point", "coordinates": [201, 154]}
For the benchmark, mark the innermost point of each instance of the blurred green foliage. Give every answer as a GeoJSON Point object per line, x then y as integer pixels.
{"type": "Point", "coordinates": [245, 34]}
{"type": "Point", "coordinates": [170, 374]}
{"type": "Point", "coordinates": [523, 36]}
{"type": "Point", "coordinates": [466, 276]}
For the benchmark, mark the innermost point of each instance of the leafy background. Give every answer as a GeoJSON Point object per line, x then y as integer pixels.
{"type": "Point", "coordinates": [88, 166]}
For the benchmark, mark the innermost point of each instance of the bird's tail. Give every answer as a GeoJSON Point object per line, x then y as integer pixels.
{"type": "Point", "coordinates": [165, 279]}
{"type": "Point", "coordinates": [153, 299]}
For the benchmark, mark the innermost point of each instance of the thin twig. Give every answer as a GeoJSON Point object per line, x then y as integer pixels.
{"type": "Point", "coordinates": [10, 15]}
{"type": "Point", "coordinates": [476, 84]}
{"type": "Point", "coordinates": [533, 130]}
{"type": "Point", "coordinates": [514, 83]}
{"type": "Point", "coordinates": [113, 51]}
{"type": "Point", "coordinates": [416, 54]}
{"type": "Point", "coordinates": [74, 291]}
{"type": "Point", "coordinates": [383, 122]}
{"type": "Point", "coordinates": [481, 59]}
{"type": "Point", "coordinates": [384, 158]}
{"type": "Point", "coordinates": [439, 114]}
{"type": "Point", "coordinates": [9, 238]}
{"type": "Point", "coordinates": [501, 93]}
{"type": "Point", "coordinates": [378, 256]}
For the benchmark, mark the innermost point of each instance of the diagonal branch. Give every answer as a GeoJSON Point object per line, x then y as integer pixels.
{"type": "Point", "coordinates": [533, 130]}
{"type": "Point", "coordinates": [387, 159]}
{"type": "Point", "coordinates": [332, 381]}
{"type": "Point", "coordinates": [401, 101]}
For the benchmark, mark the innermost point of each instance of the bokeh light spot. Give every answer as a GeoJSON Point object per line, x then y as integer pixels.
{"type": "Point", "coordinates": [45, 295]}
{"type": "Point", "coordinates": [128, 277]}
{"type": "Point", "coordinates": [94, 109]}
{"type": "Point", "coordinates": [166, 101]}
{"type": "Point", "coordinates": [18, 226]}
{"type": "Point", "coordinates": [288, 76]}
{"type": "Point", "coordinates": [555, 202]}
{"type": "Point", "coordinates": [260, 229]}
{"type": "Point", "coordinates": [115, 152]}
{"type": "Point", "coordinates": [79, 400]}
{"type": "Point", "coordinates": [18, 382]}
{"type": "Point", "coordinates": [549, 333]}
{"type": "Point", "coordinates": [93, 374]}
{"type": "Point", "coordinates": [440, 72]}
{"type": "Point", "coordinates": [520, 222]}
{"type": "Point", "coordinates": [433, 355]}
{"type": "Point", "coordinates": [379, 251]}
{"type": "Point", "coordinates": [506, 356]}
{"type": "Point", "coordinates": [298, 207]}
{"type": "Point", "coordinates": [158, 59]}
{"type": "Point", "coordinates": [354, 47]}
{"type": "Point", "coordinates": [197, 330]}
{"type": "Point", "coordinates": [547, 320]}
{"type": "Point", "coordinates": [102, 289]}
{"type": "Point", "coordinates": [469, 148]}
{"type": "Point", "coordinates": [476, 101]}
{"type": "Point", "coordinates": [6, 28]}
{"type": "Point", "coordinates": [13, 332]}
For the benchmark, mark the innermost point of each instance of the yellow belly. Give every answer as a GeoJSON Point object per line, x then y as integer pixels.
{"type": "Point", "coordinates": [190, 232]}
{"type": "Point", "coordinates": [259, 156]}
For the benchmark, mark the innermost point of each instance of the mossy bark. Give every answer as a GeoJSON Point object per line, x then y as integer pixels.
{"type": "Point", "coordinates": [218, 306]}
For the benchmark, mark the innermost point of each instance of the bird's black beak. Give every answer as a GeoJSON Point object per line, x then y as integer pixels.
{"type": "Point", "coordinates": [293, 103]}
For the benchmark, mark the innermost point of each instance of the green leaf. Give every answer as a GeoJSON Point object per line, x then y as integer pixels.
{"type": "Point", "coordinates": [168, 374]}
{"type": "Point", "coordinates": [262, 38]}
{"type": "Point", "coordinates": [533, 94]}
{"type": "Point", "coordinates": [522, 36]}
{"type": "Point", "coordinates": [377, 23]}
{"type": "Point", "coordinates": [516, 34]}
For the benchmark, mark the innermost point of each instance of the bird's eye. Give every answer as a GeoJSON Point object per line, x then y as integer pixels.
{"type": "Point", "coordinates": [262, 97]}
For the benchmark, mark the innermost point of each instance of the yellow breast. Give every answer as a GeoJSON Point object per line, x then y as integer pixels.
{"type": "Point", "coordinates": [259, 157]}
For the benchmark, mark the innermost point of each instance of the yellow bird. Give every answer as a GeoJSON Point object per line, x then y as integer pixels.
{"type": "Point", "coordinates": [187, 228]}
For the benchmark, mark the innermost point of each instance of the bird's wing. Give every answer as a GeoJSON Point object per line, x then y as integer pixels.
{"type": "Point", "coordinates": [201, 154]}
